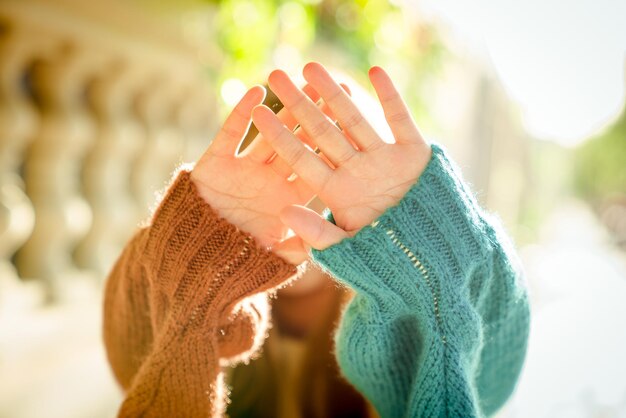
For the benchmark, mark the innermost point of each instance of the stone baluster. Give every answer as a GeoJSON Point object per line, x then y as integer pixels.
{"type": "Point", "coordinates": [18, 122]}
{"type": "Point", "coordinates": [197, 119]}
{"type": "Point", "coordinates": [52, 168]}
{"type": "Point", "coordinates": [163, 148]}
{"type": "Point", "coordinates": [107, 168]}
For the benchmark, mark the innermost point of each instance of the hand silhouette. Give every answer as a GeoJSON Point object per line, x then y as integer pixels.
{"type": "Point", "coordinates": [366, 175]}
{"type": "Point", "coordinates": [250, 189]}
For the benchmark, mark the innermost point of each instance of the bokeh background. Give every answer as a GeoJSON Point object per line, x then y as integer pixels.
{"type": "Point", "coordinates": [100, 101]}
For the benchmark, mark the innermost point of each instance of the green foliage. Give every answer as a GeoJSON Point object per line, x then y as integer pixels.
{"type": "Point", "coordinates": [601, 164]}
{"type": "Point", "coordinates": [253, 35]}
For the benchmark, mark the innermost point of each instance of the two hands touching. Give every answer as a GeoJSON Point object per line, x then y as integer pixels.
{"type": "Point", "coordinates": [445, 332]}
{"type": "Point", "coordinates": [357, 175]}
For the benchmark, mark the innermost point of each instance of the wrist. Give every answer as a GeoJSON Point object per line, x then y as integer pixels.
{"type": "Point", "coordinates": [240, 212]}
{"type": "Point", "coordinates": [188, 242]}
{"type": "Point", "coordinates": [436, 230]}
{"type": "Point", "coordinates": [216, 201]}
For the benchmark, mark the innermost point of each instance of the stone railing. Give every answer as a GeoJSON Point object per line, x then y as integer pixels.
{"type": "Point", "coordinates": [91, 124]}
{"type": "Point", "coordinates": [99, 101]}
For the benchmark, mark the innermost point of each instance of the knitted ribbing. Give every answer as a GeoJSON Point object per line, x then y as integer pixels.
{"type": "Point", "coordinates": [440, 320]}
{"type": "Point", "coordinates": [169, 318]}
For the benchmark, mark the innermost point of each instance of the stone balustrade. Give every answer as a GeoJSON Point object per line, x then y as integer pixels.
{"type": "Point", "coordinates": [98, 104]}
{"type": "Point", "coordinates": [93, 119]}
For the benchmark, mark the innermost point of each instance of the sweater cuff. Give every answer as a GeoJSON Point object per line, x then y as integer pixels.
{"type": "Point", "coordinates": [188, 237]}
{"type": "Point", "coordinates": [437, 227]}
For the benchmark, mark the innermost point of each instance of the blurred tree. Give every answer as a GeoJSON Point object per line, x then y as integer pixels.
{"type": "Point", "coordinates": [600, 165]}
{"type": "Point", "coordinates": [256, 35]}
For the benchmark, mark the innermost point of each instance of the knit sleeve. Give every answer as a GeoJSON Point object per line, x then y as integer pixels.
{"type": "Point", "coordinates": [186, 296]}
{"type": "Point", "coordinates": [440, 320]}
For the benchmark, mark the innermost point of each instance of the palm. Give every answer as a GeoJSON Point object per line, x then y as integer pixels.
{"type": "Point", "coordinates": [248, 194]}
{"type": "Point", "coordinates": [251, 188]}
{"type": "Point", "coordinates": [359, 176]}
{"type": "Point", "coordinates": [361, 189]}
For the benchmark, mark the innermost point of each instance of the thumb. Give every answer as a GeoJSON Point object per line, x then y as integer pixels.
{"type": "Point", "coordinates": [293, 250]}
{"type": "Point", "coordinates": [311, 227]}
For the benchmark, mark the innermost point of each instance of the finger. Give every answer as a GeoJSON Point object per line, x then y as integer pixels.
{"type": "Point", "coordinates": [346, 89]}
{"type": "Point", "coordinates": [304, 138]}
{"type": "Point", "coordinates": [311, 93]}
{"type": "Point", "coordinates": [303, 161]}
{"type": "Point", "coordinates": [227, 139]}
{"type": "Point", "coordinates": [396, 112]}
{"type": "Point", "coordinates": [281, 167]}
{"type": "Point", "coordinates": [327, 110]}
{"type": "Point", "coordinates": [291, 122]}
{"type": "Point", "coordinates": [305, 193]}
{"type": "Point", "coordinates": [348, 115]}
{"type": "Point", "coordinates": [259, 150]}
{"type": "Point", "coordinates": [322, 131]}
{"type": "Point", "coordinates": [293, 250]}
{"type": "Point", "coordinates": [301, 133]}
{"type": "Point", "coordinates": [311, 227]}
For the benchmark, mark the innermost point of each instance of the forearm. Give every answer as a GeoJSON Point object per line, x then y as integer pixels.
{"type": "Point", "coordinates": [433, 318]}
{"type": "Point", "coordinates": [175, 372]}
{"type": "Point", "coordinates": [503, 304]}
{"type": "Point", "coordinates": [178, 303]}
{"type": "Point", "coordinates": [127, 328]}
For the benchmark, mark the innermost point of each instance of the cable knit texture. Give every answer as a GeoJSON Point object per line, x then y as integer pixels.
{"type": "Point", "coordinates": [187, 295]}
{"type": "Point", "coordinates": [440, 320]}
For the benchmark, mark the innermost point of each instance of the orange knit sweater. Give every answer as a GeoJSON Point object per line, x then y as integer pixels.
{"type": "Point", "coordinates": [187, 296]}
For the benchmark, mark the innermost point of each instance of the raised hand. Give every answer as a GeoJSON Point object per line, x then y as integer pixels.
{"type": "Point", "coordinates": [250, 189]}
{"type": "Point", "coordinates": [366, 175]}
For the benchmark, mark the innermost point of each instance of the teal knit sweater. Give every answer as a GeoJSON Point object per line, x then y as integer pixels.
{"type": "Point", "coordinates": [439, 323]}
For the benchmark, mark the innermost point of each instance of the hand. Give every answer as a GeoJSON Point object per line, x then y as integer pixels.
{"type": "Point", "coordinates": [366, 175]}
{"type": "Point", "coordinates": [250, 189]}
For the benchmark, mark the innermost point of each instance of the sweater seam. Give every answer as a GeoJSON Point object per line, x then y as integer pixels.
{"type": "Point", "coordinates": [422, 267]}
